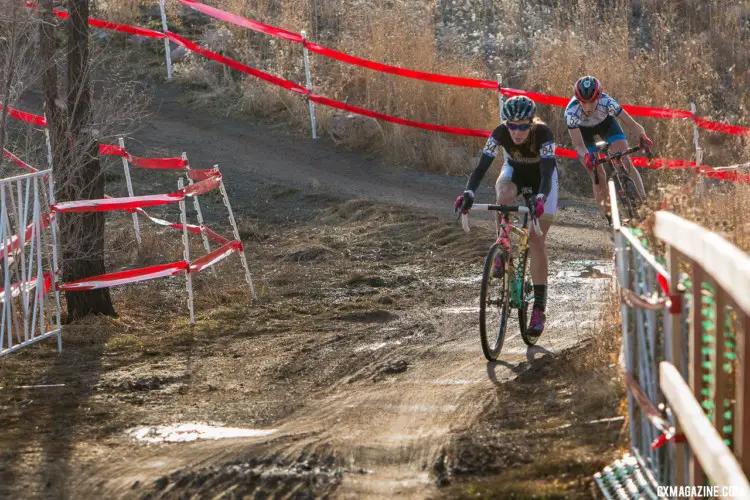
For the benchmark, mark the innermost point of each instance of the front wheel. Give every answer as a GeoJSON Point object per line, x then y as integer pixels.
{"type": "Point", "coordinates": [527, 297]}
{"type": "Point", "coordinates": [627, 198]}
{"type": "Point", "coordinates": [494, 304]}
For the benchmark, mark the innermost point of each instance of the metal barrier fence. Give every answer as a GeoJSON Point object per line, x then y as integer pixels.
{"type": "Point", "coordinates": [683, 362]}
{"type": "Point", "coordinates": [28, 263]}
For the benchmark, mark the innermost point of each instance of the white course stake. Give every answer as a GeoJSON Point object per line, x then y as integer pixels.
{"type": "Point", "coordinates": [126, 168]}
{"type": "Point", "coordinates": [698, 153]}
{"type": "Point", "coordinates": [186, 253]}
{"type": "Point", "coordinates": [500, 95]}
{"type": "Point", "coordinates": [309, 85]}
{"type": "Point", "coordinates": [197, 206]}
{"type": "Point", "coordinates": [49, 146]}
{"type": "Point", "coordinates": [166, 40]}
{"type": "Point", "coordinates": [237, 236]}
{"type": "Point", "coordinates": [7, 325]}
{"type": "Point", "coordinates": [55, 268]}
{"type": "Point", "coordinates": [39, 265]}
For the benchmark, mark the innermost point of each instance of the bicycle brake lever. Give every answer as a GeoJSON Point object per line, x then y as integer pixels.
{"type": "Point", "coordinates": [537, 227]}
{"type": "Point", "coordinates": [464, 221]}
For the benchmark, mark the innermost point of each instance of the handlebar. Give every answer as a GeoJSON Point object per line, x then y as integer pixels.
{"type": "Point", "coordinates": [505, 209]}
{"type": "Point", "coordinates": [617, 156]}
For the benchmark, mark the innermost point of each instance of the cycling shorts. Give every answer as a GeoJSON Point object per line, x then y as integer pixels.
{"type": "Point", "coordinates": [609, 130]}
{"type": "Point", "coordinates": [530, 178]}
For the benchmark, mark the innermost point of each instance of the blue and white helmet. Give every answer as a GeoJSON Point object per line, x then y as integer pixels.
{"type": "Point", "coordinates": [518, 108]}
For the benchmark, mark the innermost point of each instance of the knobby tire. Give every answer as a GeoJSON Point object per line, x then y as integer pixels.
{"type": "Point", "coordinates": [492, 330]}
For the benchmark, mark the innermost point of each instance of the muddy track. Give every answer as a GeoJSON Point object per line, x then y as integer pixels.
{"type": "Point", "coordinates": [416, 377]}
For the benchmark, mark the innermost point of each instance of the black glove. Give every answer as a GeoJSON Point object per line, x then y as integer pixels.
{"type": "Point", "coordinates": [464, 202]}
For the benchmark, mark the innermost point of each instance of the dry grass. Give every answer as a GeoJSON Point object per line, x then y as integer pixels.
{"type": "Point", "coordinates": [597, 371]}
{"type": "Point", "coordinates": [654, 53]}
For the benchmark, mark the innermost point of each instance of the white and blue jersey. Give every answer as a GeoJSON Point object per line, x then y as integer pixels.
{"type": "Point", "coordinates": [575, 117]}
{"type": "Point", "coordinates": [601, 122]}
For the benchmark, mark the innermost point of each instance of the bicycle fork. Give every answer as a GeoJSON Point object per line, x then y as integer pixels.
{"type": "Point", "coordinates": [513, 274]}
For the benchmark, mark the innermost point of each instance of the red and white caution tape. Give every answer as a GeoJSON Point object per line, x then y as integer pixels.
{"type": "Point", "coordinates": [151, 272]}
{"type": "Point", "coordinates": [27, 286]}
{"type": "Point", "coordinates": [13, 244]}
{"type": "Point", "coordinates": [122, 28]}
{"type": "Point", "coordinates": [216, 256]}
{"type": "Point", "coordinates": [128, 204]}
{"type": "Point", "coordinates": [19, 162]}
{"type": "Point", "coordinates": [125, 277]}
{"type": "Point", "coordinates": [194, 47]}
{"type": "Point", "coordinates": [201, 175]}
{"type": "Point", "coordinates": [110, 204]}
{"type": "Point", "coordinates": [204, 186]}
{"type": "Point", "coordinates": [107, 25]}
{"type": "Point", "coordinates": [401, 121]}
{"type": "Point", "coordinates": [152, 163]}
{"type": "Point", "coordinates": [242, 21]}
{"type": "Point", "coordinates": [24, 116]}
{"type": "Point", "coordinates": [215, 237]}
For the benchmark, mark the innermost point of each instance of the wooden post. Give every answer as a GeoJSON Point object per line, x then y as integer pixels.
{"type": "Point", "coordinates": [713, 454]}
{"type": "Point", "coordinates": [676, 351]}
{"type": "Point", "coordinates": [742, 406]}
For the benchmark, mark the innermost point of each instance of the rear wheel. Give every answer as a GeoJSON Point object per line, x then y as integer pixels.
{"type": "Point", "coordinates": [494, 304]}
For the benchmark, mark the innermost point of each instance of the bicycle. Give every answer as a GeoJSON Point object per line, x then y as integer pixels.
{"type": "Point", "coordinates": [628, 199]}
{"type": "Point", "coordinates": [514, 288]}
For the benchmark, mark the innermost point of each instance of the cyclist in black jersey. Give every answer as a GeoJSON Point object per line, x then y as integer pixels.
{"type": "Point", "coordinates": [529, 161]}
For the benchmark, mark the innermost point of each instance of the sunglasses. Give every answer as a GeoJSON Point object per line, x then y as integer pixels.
{"type": "Point", "coordinates": [521, 128]}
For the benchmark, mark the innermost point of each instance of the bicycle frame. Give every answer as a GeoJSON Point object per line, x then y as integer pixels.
{"type": "Point", "coordinates": [614, 161]}
{"type": "Point", "coordinates": [516, 280]}
{"type": "Point", "coordinates": [615, 158]}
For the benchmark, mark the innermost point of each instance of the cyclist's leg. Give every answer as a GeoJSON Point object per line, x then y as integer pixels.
{"type": "Point", "coordinates": [600, 190]}
{"type": "Point", "coordinates": [540, 260]}
{"type": "Point", "coordinates": [506, 191]}
{"type": "Point", "coordinates": [619, 143]}
{"type": "Point", "coordinates": [538, 244]}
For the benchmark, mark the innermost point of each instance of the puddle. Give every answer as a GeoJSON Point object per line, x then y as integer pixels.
{"type": "Point", "coordinates": [466, 280]}
{"type": "Point", "coordinates": [582, 269]}
{"type": "Point", "coordinates": [591, 272]}
{"type": "Point", "coordinates": [451, 382]}
{"type": "Point", "coordinates": [401, 438]}
{"type": "Point", "coordinates": [461, 310]}
{"type": "Point", "coordinates": [184, 433]}
{"type": "Point", "coordinates": [416, 408]}
{"type": "Point", "coordinates": [421, 408]}
{"type": "Point", "coordinates": [376, 346]}
{"type": "Point", "coordinates": [565, 270]}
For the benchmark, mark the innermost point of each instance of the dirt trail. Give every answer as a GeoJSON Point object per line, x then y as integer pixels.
{"type": "Point", "coordinates": [418, 375]}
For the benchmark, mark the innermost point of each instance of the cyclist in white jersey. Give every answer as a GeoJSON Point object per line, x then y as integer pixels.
{"type": "Point", "coordinates": [590, 113]}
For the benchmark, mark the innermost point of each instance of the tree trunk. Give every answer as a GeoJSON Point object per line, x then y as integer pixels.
{"type": "Point", "coordinates": [54, 109]}
{"type": "Point", "coordinates": [78, 176]}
